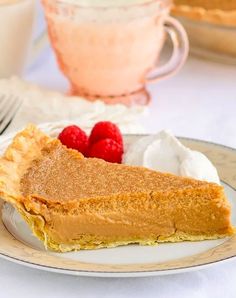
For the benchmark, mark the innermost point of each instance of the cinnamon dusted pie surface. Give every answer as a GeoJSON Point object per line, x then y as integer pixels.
{"type": "Point", "coordinates": [56, 173]}
{"type": "Point", "coordinates": [71, 202]}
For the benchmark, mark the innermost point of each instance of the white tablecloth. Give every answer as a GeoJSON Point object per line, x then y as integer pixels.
{"type": "Point", "coordinates": [200, 102]}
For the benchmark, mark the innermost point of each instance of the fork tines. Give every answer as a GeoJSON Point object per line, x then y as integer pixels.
{"type": "Point", "coordinates": [9, 106]}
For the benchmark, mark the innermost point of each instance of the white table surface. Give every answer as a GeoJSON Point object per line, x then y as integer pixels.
{"type": "Point", "coordinates": [200, 102]}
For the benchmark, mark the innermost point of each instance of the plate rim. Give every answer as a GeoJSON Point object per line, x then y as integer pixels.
{"type": "Point", "coordinates": [111, 274]}
{"type": "Point", "coordinates": [127, 273]}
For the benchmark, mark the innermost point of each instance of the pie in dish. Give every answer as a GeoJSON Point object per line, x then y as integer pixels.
{"type": "Point", "coordinates": [211, 11]}
{"type": "Point", "coordinates": [211, 27]}
{"type": "Point", "coordinates": [72, 203]}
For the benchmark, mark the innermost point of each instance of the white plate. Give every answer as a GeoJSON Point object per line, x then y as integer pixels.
{"type": "Point", "coordinates": [19, 245]}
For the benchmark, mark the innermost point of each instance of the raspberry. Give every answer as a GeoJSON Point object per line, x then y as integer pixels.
{"type": "Point", "coordinates": [75, 138]}
{"type": "Point", "coordinates": [107, 149]}
{"type": "Point", "coordinates": [105, 130]}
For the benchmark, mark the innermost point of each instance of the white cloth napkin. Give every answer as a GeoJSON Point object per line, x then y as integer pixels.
{"type": "Point", "coordinates": [41, 105]}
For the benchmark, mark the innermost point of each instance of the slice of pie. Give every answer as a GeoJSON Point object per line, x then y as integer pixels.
{"type": "Point", "coordinates": [72, 203]}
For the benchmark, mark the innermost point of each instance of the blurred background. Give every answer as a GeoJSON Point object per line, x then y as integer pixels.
{"type": "Point", "coordinates": [189, 103]}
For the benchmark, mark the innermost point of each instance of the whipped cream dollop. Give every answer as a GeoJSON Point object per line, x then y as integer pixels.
{"type": "Point", "coordinates": [164, 153]}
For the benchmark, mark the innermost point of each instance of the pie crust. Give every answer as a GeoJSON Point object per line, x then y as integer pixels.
{"type": "Point", "coordinates": [213, 16]}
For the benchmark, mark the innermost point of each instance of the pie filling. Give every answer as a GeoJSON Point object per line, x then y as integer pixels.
{"type": "Point", "coordinates": [88, 208]}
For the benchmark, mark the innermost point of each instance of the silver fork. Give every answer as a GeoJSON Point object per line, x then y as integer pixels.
{"type": "Point", "coordinates": [9, 106]}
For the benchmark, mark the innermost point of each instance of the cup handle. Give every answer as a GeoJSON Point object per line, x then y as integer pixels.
{"type": "Point", "coordinates": [179, 55]}
{"type": "Point", "coordinates": [39, 44]}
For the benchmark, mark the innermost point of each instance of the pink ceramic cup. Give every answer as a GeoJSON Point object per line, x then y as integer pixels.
{"type": "Point", "coordinates": [109, 50]}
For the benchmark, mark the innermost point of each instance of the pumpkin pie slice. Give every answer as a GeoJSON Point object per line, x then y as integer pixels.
{"type": "Point", "coordinates": [72, 203]}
